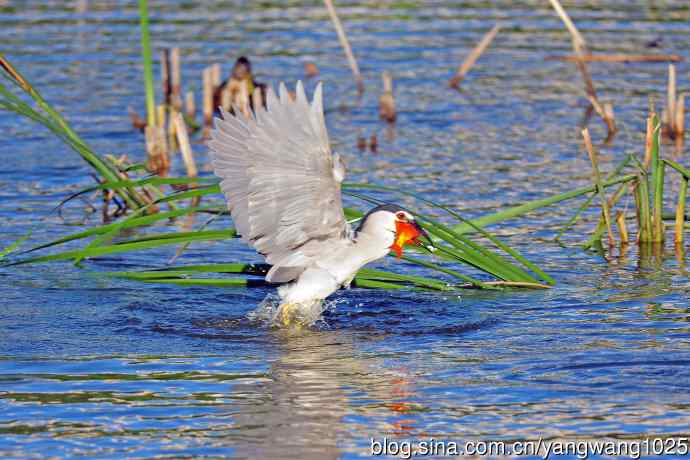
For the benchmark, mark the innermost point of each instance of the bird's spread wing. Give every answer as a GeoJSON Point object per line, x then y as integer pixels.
{"type": "Point", "coordinates": [280, 180]}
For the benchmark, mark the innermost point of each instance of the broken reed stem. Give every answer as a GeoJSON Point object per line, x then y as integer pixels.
{"type": "Point", "coordinates": [190, 105]}
{"type": "Point", "coordinates": [470, 60]}
{"type": "Point", "coordinates": [680, 210]}
{"type": "Point", "coordinates": [148, 62]}
{"type": "Point", "coordinates": [387, 101]}
{"type": "Point", "coordinates": [208, 99]}
{"type": "Point", "coordinates": [175, 79]}
{"type": "Point", "coordinates": [680, 116]}
{"type": "Point", "coordinates": [671, 98]}
{"type": "Point", "coordinates": [257, 98]}
{"type": "Point", "coordinates": [160, 116]}
{"type": "Point", "coordinates": [618, 58]}
{"type": "Point", "coordinates": [345, 44]}
{"type": "Point", "coordinates": [622, 227]}
{"type": "Point", "coordinates": [578, 41]}
{"type": "Point", "coordinates": [649, 140]}
{"type": "Point", "coordinates": [216, 76]}
{"type": "Point", "coordinates": [226, 98]}
{"type": "Point", "coordinates": [244, 98]}
{"type": "Point", "coordinates": [643, 212]}
{"type": "Point", "coordinates": [157, 150]}
{"type": "Point", "coordinates": [165, 75]}
{"type": "Point", "coordinates": [599, 184]}
{"type": "Point", "coordinates": [186, 150]}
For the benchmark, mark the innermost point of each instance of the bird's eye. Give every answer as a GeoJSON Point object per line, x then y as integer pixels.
{"type": "Point", "coordinates": [401, 216]}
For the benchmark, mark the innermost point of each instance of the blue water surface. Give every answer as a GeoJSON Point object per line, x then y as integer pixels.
{"type": "Point", "coordinates": [97, 367]}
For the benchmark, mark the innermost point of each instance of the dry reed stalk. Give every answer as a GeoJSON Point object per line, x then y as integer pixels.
{"type": "Point", "coordinates": [176, 79]}
{"type": "Point", "coordinates": [185, 146]}
{"type": "Point", "coordinates": [137, 122]}
{"type": "Point", "coordinates": [216, 76]}
{"type": "Point", "coordinates": [599, 184]}
{"type": "Point", "coordinates": [671, 99]}
{"type": "Point", "coordinates": [310, 69]}
{"type": "Point", "coordinates": [373, 142]}
{"type": "Point", "coordinates": [257, 98]}
{"type": "Point", "coordinates": [387, 101]}
{"type": "Point", "coordinates": [345, 44]}
{"type": "Point", "coordinates": [649, 140]}
{"type": "Point", "coordinates": [165, 76]}
{"type": "Point", "coordinates": [226, 98]}
{"type": "Point", "coordinates": [190, 105]}
{"type": "Point", "coordinates": [160, 116]}
{"type": "Point", "coordinates": [579, 43]}
{"type": "Point", "coordinates": [157, 152]}
{"type": "Point", "coordinates": [680, 116]}
{"type": "Point", "coordinates": [470, 60]}
{"type": "Point", "coordinates": [244, 99]}
{"type": "Point", "coordinates": [622, 227]}
{"type": "Point", "coordinates": [680, 211]}
{"type": "Point", "coordinates": [619, 58]}
{"type": "Point", "coordinates": [208, 100]}
{"type": "Point", "coordinates": [581, 51]}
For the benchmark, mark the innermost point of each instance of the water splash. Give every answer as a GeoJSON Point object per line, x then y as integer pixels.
{"type": "Point", "coordinates": [276, 314]}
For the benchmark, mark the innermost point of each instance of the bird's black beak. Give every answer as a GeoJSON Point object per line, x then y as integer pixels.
{"type": "Point", "coordinates": [430, 246]}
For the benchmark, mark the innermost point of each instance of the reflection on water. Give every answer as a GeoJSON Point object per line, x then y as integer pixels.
{"type": "Point", "coordinates": [95, 367]}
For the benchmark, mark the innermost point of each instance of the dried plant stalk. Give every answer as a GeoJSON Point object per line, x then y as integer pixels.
{"type": "Point", "coordinates": [185, 146]}
{"type": "Point", "coordinates": [680, 210]}
{"type": "Point", "coordinates": [346, 45]}
{"type": "Point", "coordinates": [622, 58]}
{"type": "Point", "coordinates": [165, 75]}
{"type": "Point", "coordinates": [176, 79]}
{"type": "Point", "coordinates": [622, 227]}
{"type": "Point", "coordinates": [579, 43]}
{"type": "Point", "coordinates": [470, 60]}
{"type": "Point", "coordinates": [190, 105]}
{"type": "Point", "coordinates": [208, 97]}
{"type": "Point", "coordinates": [599, 184]}
{"type": "Point", "coordinates": [257, 98]}
{"type": "Point", "coordinates": [387, 101]}
{"type": "Point", "coordinates": [680, 116]}
{"type": "Point", "coordinates": [671, 98]}
{"type": "Point", "coordinates": [216, 76]}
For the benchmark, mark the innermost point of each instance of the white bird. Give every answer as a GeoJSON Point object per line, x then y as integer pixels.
{"type": "Point", "coordinates": [282, 186]}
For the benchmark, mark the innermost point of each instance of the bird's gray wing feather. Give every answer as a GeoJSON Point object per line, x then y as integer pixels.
{"type": "Point", "coordinates": [280, 180]}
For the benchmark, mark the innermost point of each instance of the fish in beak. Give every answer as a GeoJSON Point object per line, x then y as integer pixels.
{"type": "Point", "coordinates": [408, 232]}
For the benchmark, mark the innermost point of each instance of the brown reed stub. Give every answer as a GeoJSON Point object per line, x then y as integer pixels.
{"type": "Point", "coordinates": [190, 105]}
{"type": "Point", "coordinates": [387, 101]}
{"type": "Point", "coordinates": [373, 142]}
{"type": "Point", "coordinates": [14, 73]}
{"type": "Point", "coordinates": [137, 122]}
{"type": "Point", "coordinates": [185, 149]}
{"type": "Point", "coordinates": [616, 58]}
{"type": "Point", "coordinates": [594, 159]}
{"type": "Point", "coordinates": [673, 116]}
{"type": "Point", "coordinates": [310, 70]}
{"type": "Point", "coordinates": [165, 76]}
{"type": "Point", "coordinates": [208, 99]}
{"type": "Point", "coordinates": [361, 142]}
{"type": "Point", "coordinates": [622, 227]}
{"type": "Point", "coordinates": [157, 151]}
{"type": "Point", "coordinates": [471, 58]}
{"type": "Point", "coordinates": [342, 37]}
{"type": "Point", "coordinates": [176, 79]}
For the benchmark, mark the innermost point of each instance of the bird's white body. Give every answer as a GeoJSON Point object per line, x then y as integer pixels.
{"type": "Point", "coordinates": [337, 268]}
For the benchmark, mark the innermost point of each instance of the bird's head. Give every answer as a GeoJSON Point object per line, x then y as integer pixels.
{"type": "Point", "coordinates": [396, 222]}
